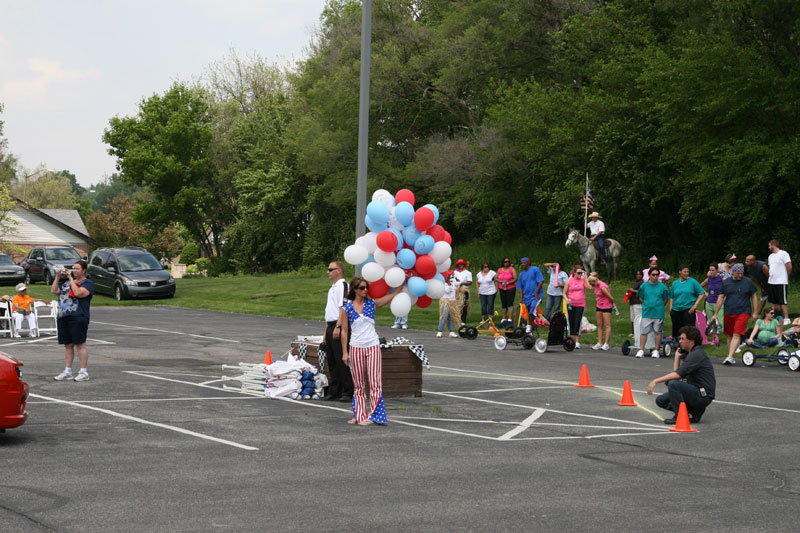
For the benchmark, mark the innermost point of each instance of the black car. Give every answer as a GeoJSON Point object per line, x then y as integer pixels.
{"type": "Point", "coordinates": [10, 272]}
{"type": "Point", "coordinates": [129, 272]}
{"type": "Point", "coordinates": [41, 261]}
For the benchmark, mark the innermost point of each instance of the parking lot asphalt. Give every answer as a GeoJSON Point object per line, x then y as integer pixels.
{"type": "Point", "coordinates": [500, 440]}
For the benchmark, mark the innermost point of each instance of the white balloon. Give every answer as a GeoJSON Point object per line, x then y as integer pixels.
{"type": "Point", "coordinates": [393, 222]}
{"type": "Point", "coordinates": [372, 272]}
{"type": "Point", "coordinates": [383, 196]}
{"type": "Point", "coordinates": [441, 251]}
{"type": "Point", "coordinates": [435, 289]}
{"type": "Point", "coordinates": [384, 259]}
{"type": "Point", "coordinates": [370, 241]}
{"type": "Point", "coordinates": [411, 297]}
{"type": "Point", "coordinates": [395, 276]}
{"type": "Point", "coordinates": [401, 304]}
{"type": "Point", "coordinates": [355, 254]}
{"type": "Point", "coordinates": [443, 266]}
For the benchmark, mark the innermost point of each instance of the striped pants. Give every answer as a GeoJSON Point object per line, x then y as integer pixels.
{"type": "Point", "coordinates": [365, 363]}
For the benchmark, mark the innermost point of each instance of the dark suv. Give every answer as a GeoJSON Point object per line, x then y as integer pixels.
{"type": "Point", "coordinates": [41, 261]}
{"type": "Point", "coordinates": [129, 272]}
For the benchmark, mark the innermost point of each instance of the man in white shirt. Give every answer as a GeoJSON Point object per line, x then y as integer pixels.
{"type": "Point", "coordinates": [780, 268]}
{"type": "Point", "coordinates": [598, 230]}
{"type": "Point", "coordinates": [341, 385]}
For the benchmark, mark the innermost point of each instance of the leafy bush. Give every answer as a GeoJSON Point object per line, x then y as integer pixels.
{"type": "Point", "coordinates": [190, 254]}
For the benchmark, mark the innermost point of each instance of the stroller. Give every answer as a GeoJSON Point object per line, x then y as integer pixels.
{"type": "Point", "coordinates": [558, 334]}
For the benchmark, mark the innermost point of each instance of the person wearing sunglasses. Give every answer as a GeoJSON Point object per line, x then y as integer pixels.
{"type": "Point", "coordinates": [655, 297]}
{"type": "Point", "coordinates": [768, 330]}
{"type": "Point", "coordinates": [575, 293]}
{"type": "Point", "coordinates": [507, 286]}
{"type": "Point", "coordinates": [361, 350]}
{"type": "Point", "coordinates": [341, 384]}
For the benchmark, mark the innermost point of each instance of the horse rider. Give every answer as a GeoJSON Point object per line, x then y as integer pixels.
{"type": "Point", "coordinates": [598, 231]}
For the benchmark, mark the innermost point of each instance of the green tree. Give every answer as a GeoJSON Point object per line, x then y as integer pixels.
{"type": "Point", "coordinates": [167, 148]}
{"type": "Point", "coordinates": [48, 190]}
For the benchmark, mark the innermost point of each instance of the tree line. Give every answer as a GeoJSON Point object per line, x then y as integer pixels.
{"type": "Point", "coordinates": [684, 113]}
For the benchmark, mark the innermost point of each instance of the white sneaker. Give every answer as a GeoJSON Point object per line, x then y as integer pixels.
{"type": "Point", "coordinates": [64, 376]}
{"type": "Point", "coordinates": [577, 345]}
{"type": "Point", "coordinates": [597, 346]}
{"type": "Point", "coordinates": [654, 354]}
{"type": "Point", "coordinates": [640, 353]}
{"type": "Point", "coordinates": [605, 347]}
{"type": "Point", "coordinates": [82, 376]}
{"type": "Point", "coordinates": [438, 333]}
{"type": "Point", "coordinates": [729, 361]}
{"type": "Point", "coordinates": [454, 334]}
{"type": "Point", "coordinates": [395, 326]}
{"type": "Point", "coordinates": [404, 326]}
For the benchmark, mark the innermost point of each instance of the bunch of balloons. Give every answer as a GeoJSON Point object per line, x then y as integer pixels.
{"type": "Point", "coordinates": [404, 250]}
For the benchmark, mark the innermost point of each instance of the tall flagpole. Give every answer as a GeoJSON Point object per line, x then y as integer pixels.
{"type": "Point", "coordinates": [586, 205]}
{"type": "Point", "coordinates": [363, 120]}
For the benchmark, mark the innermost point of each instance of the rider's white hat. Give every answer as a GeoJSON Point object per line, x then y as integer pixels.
{"type": "Point", "coordinates": [595, 214]}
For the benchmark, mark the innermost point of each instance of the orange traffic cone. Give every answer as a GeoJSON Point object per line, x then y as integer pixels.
{"type": "Point", "coordinates": [627, 396]}
{"type": "Point", "coordinates": [682, 422]}
{"type": "Point", "coordinates": [583, 381]}
{"type": "Point", "coordinates": [268, 358]}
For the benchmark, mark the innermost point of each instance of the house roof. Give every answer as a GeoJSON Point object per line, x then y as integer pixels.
{"type": "Point", "coordinates": [67, 219]}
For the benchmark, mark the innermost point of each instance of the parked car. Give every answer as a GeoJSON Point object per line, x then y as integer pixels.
{"type": "Point", "coordinates": [13, 393]}
{"type": "Point", "coordinates": [41, 261]}
{"type": "Point", "coordinates": [129, 272]}
{"type": "Point", "coordinates": [10, 272]}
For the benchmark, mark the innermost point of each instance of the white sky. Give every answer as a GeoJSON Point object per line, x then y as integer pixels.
{"type": "Point", "coordinates": [67, 66]}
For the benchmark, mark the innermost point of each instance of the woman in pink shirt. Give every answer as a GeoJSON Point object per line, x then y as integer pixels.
{"type": "Point", "coordinates": [507, 284]}
{"type": "Point", "coordinates": [605, 304]}
{"type": "Point", "coordinates": [575, 294]}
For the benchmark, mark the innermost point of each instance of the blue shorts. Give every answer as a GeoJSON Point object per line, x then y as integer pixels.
{"type": "Point", "coordinates": [72, 329]}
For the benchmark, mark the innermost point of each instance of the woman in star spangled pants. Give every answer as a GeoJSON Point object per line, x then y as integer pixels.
{"type": "Point", "coordinates": [363, 352]}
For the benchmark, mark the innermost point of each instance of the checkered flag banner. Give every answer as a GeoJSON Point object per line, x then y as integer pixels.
{"type": "Point", "coordinates": [416, 349]}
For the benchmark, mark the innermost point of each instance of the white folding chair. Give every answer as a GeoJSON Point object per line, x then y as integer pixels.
{"type": "Point", "coordinates": [46, 317]}
{"type": "Point", "coordinates": [6, 320]}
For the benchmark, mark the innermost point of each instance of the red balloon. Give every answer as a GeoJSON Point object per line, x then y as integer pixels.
{"type": "Point", "coordinates": [437, 232]}
{"type": "Point", "coordinates": [425, 266]}
{"type": "Point", "coordinates": [423, 301]}
{"type": "Point", "coordinates": [387, 241]}
{"type": "Point", "coordinates": [404, 195]}
{"type": "Point", "coordinates": [447, 238]}
{"type": "Point", "coordinates": [377, 289]}
{"type": "Point", "coordinates": [423, 218]}
{"type": "Point", "coordinates": [428, 275]}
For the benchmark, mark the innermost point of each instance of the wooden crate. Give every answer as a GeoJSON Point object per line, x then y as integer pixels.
{"type": "Point", "coordinates": [402, 370]}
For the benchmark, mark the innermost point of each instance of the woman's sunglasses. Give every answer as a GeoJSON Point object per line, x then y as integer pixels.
{"type": "Point", "coordinates": [363, 287]}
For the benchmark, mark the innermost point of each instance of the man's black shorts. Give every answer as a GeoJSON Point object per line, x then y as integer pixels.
{"type": "Point", "coordinates": [72, 329]}
{"type": "Point", "coordinates": [776, 294]}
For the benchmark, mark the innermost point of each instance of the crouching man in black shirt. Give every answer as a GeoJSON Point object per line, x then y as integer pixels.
{"type": "Point", "coordinates": [700, 386]}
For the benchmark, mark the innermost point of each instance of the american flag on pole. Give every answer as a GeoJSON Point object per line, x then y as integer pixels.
{"type": "Point", "coordinates": [587, 200]}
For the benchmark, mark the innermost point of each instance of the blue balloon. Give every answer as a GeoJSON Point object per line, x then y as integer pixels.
{"type": "Point", "coordinates": [417, 286]}
{"type": "Point", "coordinates": [424, 244]}
{"type": "Point", "coordinates": [435, 212]}
{"type": "Point", "coordinates": [406, 259]}
{"type": "Point", "coordinates": [439, 277]}
{"type": "Point", "coordinates": [411, 234]}
{"type": "Point", "coordinates": [404, 213]}
{"type": "Point", "coordinates": [378, 212]}
{"type": "Point", "coordinates": [372, 225]}
{"type": "Point", "coordinates": [399, 236]}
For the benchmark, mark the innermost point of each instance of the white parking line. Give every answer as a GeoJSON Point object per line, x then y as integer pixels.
{"type": "Point", "coordinates": [167, 331]}
{"type": "Point", "coordinates": [147, 422]}
{"type": "Point", "coordinates": [525, 424]}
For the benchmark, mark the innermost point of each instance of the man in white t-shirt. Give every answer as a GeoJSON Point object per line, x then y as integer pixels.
{"type": "Point", "coordinates": [341, 385]}
{"type": "Point", "coordinates": [597, 230]}
{"type": "Point", "coordinates": [780, 268]}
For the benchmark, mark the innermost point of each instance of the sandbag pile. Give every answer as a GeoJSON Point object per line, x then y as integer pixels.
{"type": "Point", "coordinates": [294, 378]}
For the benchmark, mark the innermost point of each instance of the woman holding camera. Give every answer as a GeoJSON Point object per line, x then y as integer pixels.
{"type": "Point", "coordinates": [75, 296]}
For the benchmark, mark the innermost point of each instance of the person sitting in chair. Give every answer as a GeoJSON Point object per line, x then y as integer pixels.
{"type": "Point", "coordinates": [22, 308]}
{"type": "Point", "coordinates": [598, 231]}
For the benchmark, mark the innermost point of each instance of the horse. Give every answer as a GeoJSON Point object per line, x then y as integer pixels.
{"type": "Point", "coordinates": [590, 256]}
